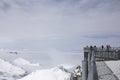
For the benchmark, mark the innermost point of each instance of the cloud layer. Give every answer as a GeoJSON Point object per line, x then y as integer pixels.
{"type": "Point", "coordinates": [58, 24]}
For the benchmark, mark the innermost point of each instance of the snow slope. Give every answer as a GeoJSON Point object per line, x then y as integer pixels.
{"type": "Point", "coordinates": [48, 74]}
{"type": "Point", "coordinates": [9, 70]}
{"type": "Point", "coordinates": [67, 67]}
{"type": "Point", "coordinates": [62, 72]}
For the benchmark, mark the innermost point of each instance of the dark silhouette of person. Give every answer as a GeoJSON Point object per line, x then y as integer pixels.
{"type": "Point", "coordinates": [91, 48]}
{"type": "Point", "coordinates": [102, 47]}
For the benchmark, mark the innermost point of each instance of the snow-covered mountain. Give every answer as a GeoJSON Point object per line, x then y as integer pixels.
{"type": "Point", "coordinates": [24, 66]}
{"type": "Point", "coordinates": [63, 72]}
{"type": "Point", "coordinates": [9, 71]}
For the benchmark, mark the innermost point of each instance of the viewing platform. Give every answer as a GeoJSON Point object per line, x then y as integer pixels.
{"type": "Point", "coordinates": [93, 65]}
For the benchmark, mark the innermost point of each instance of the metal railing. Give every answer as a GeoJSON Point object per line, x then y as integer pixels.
{"type": "Point", "coordinates": [89, 71]}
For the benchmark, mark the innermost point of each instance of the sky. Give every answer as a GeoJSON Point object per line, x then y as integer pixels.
{"type": "Point", "coordinates": [59, 25]}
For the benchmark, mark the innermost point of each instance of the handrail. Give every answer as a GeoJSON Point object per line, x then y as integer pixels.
{"type": "Point", "coordinates": [92, 73]}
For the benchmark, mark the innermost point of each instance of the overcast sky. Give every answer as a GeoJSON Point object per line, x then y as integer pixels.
{"type": "Point", "coordinates": [63, 25]}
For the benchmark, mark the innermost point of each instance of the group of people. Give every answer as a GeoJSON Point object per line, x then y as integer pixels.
{"type": "Point", "coordinates": [107, 47]}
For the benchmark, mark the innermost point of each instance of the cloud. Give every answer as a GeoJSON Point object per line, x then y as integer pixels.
{"type": "Point", "coordinates": [102, 36]}
{"type": "Point", "coordinates": [58, 24]}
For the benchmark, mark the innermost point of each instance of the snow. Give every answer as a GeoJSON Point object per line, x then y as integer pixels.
{"type": "Point", "coordinates": [49, 74]}
{"type": "Point", "coordinates": [78, 71]}
{"type": "Point", "coordinates": [9, 71]}
{"type": "Point", "coordinates": [68, 67]}
{"type": "Point", "coordinates": [61, 72]}
{"type": "Point", "coordinates": [9, 68]}
{"type": "Point", "coordinates": [15, 66]}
